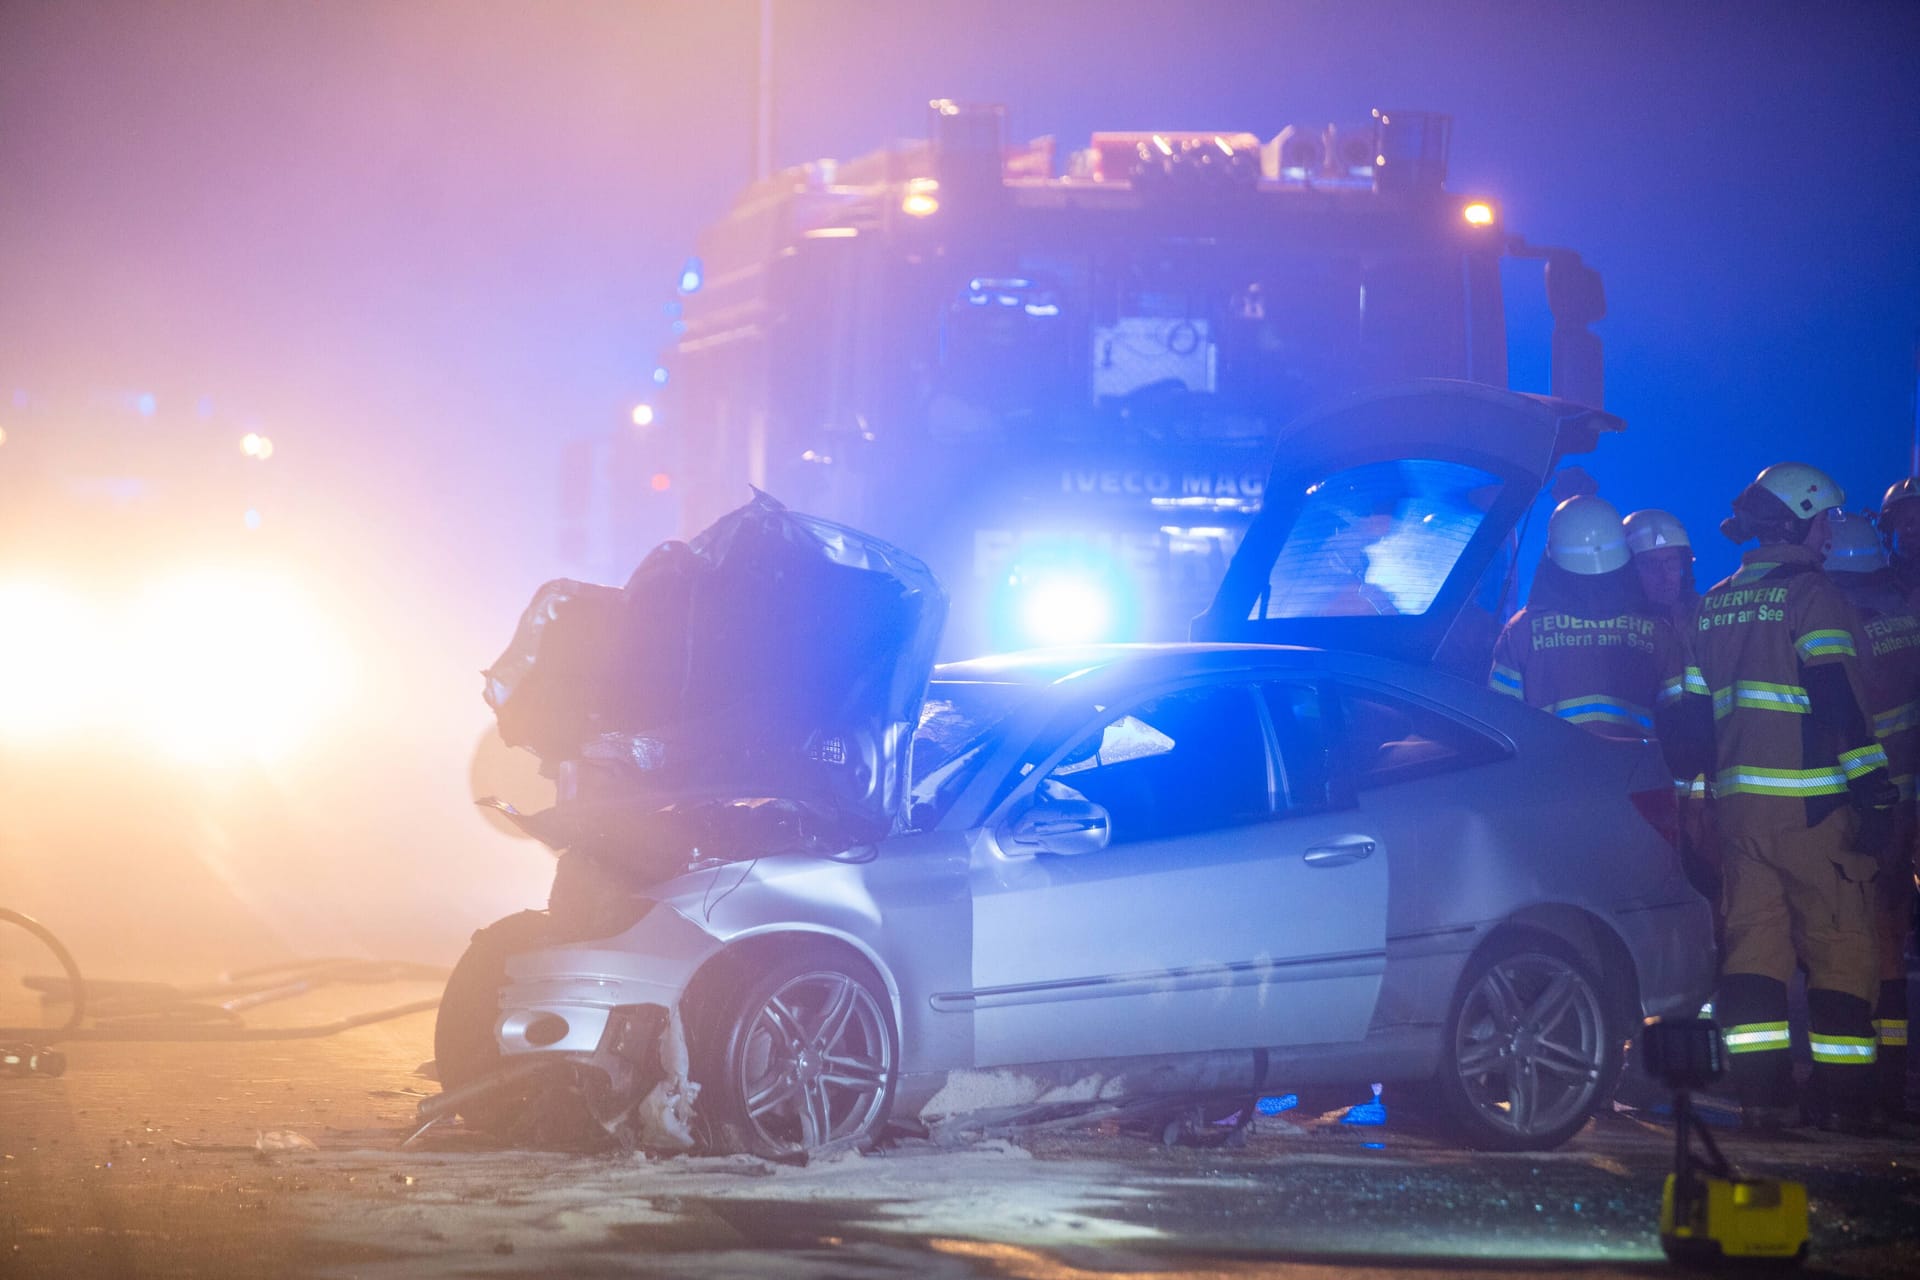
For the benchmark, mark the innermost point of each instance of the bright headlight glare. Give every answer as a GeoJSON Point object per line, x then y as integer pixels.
{"type": "Point", "coordinates": [53, 645]}
{"type": "Point", "coordinates": [231, 666]}
{"type": "Point", "coordinates": [207, 667]}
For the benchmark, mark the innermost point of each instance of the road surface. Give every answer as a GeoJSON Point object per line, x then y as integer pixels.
{"type": "Point", "coordinates": [145, 1160]}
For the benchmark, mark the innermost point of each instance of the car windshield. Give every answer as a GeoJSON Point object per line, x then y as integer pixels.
{"type": "Point", "coordinates": [956, 726]}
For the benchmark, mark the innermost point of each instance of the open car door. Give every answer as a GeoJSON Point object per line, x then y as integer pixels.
{"type": "Point", "coordinates": [1388, 516]}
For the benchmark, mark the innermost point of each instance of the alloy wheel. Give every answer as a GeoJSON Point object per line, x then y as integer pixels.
{"type": "Point", "coordinates": [1530, 1046]}
{"type": "Point", "coordinates": [815, 1062]}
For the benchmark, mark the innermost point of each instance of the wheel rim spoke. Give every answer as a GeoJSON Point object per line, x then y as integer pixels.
{"type": "Point", "coordinates": [854, 1073]}
{"type": "Point", "coordinates": [1553, 1003]}
{"type": "Point", "coordinates": [835, 1015]}
{"type": "Point", "coordinates": [774, 1095]}
{"type": "Point", "coordinates": [1503, 1004]}
{"type": "Point", "coordinates": [1562, 1061]}
{"type": "Point", "coordinates": [819, 1114]}
{"type": "Point", "coordinates": [1480, 1058]}
{"type": "Point", "coordinates": [785, 1022]}
{"type": "Point", "coordinates": [1521, 1088]}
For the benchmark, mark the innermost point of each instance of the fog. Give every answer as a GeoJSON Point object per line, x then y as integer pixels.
{"type": "Point", "coordinates": [424, 248]}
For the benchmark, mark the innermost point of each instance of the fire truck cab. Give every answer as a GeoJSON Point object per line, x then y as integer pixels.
{"type": "Point", "coordinates": [1060, 381]}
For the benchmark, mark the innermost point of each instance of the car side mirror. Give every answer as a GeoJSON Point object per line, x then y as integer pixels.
{"type": "Point", "coordinates": [1058, 826]}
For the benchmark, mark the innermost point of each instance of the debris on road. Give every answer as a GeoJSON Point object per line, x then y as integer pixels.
{"type": "Point", "coordinates": [283, 1140]}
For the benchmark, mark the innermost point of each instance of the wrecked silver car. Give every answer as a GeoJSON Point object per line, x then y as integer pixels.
{"type": "Point", "coordinates": [1133, 875]}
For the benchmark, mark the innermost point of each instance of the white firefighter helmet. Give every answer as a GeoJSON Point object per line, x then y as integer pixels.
{"type": "Point", "coordinates": [1585, 537]}
{"type": "Point", "coordinates": [1805, 491]}
{"type": "Point", "coordinates": [1853, 545]}
{"type": "Point", "coordinates": [1894, 534]}
{"type": "Point", "coordinates": [1652, 529]}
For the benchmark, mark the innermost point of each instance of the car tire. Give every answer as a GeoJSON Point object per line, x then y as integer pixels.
{"type": "Point", "coordinates": [795, 1057]}
{"type": "Point", "coordinates": [1528, 1049]}
{"type": "Point", "coordinates": [464, 1046]}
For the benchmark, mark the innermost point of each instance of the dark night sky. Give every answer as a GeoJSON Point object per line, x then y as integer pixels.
{"type": "Point", "coordinates": [425, 243]}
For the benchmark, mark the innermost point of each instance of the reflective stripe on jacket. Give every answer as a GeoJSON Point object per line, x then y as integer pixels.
{"type": "Point", "coordinates": [1759, 634]}
{"type": "Point", "coordinates": [1607, 675]}
{"type": "Point", "coordinates": [1890, 661]}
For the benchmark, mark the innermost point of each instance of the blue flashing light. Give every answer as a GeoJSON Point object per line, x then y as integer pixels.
{"type": "Point", "coordinates": [660, 376]}
{"type": "Point", "coordinates": [252, 518]}
{"type": "Point", "coordinates": [1065, 590]}
{"type": "Point", "coordinates": [678, 327]}
{"type": "Point", "coordinates": [146, 404]}
{"type": "Point", "coordinates": [672, 309]}
{"type": "Point", "coordinates": [1274, 1106]}
{"type": "Point", "coordinates": [692, 276]}
{"type": "Point", "coordinates": [1374, 1146]}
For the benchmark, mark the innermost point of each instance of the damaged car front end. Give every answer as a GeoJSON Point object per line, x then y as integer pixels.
{"type": "Point", "coordinates": [746, 698]}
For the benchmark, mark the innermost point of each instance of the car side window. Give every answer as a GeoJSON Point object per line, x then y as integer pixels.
{"type": "Point", "coordinates": [1384, 740]}
{"type": "Point", "coordinates": [1304, 722]}
{"type": "Point", "coordinates": [1177, 764]}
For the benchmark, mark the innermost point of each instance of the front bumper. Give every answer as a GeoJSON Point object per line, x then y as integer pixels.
{"type": "Point", "coordinates": [559, 1000]}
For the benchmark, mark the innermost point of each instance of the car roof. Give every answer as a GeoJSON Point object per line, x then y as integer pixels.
{"type": "Point", "coordinates": [1048, 666]}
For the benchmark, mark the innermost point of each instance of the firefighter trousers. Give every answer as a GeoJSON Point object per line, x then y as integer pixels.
{"type": "Point", "coordinates": [1893, 916]}
{"type": "Point", "coordinates": [1796, 896]}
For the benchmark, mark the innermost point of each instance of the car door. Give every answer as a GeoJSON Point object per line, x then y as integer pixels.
{"type": "Point", "coordinates": [1219, 916]}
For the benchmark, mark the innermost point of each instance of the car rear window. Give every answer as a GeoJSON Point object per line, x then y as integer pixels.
{"type": "Point", "coordinates": [1378, 539]}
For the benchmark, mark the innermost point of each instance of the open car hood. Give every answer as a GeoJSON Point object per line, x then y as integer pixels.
{"type": "Point", "coordinates": [1387, 520]}
{"type": "Point", "coordinates": [752, 691]}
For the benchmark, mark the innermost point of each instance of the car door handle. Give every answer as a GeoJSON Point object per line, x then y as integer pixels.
{"type": "Point", "coordinates": [1337, 855]}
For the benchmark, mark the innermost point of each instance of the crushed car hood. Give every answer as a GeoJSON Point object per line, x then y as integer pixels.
{"type": "Point", "coordinates": [1389, 515]}
{"type": "Point", "coordinates": [753, 690]}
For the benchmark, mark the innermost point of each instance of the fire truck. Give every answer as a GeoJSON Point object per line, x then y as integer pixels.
{"type": "Point", "coordinates": [1058, 379]}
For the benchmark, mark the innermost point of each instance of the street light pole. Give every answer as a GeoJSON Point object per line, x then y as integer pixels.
{"type": "Point", "coordinates": [763, 98]}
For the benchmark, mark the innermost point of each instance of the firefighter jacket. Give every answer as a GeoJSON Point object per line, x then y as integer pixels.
{"type": "Point", "coordinates": [1592, 654]}
{"type": "Point", "coordinates": [1777, 645]}
{"type": "Point", "coordinates": [1889, 639]}
{"type": "Point", "coordinates": [1905, 572]}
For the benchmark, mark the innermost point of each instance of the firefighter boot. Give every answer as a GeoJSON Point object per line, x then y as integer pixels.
{"type": "Point", "coordinates": [1890, 1030]}
{"type": "Point", "coordinates": [1840, 1032]}
{"type": "Point", "coordinates": [1753, 1011]}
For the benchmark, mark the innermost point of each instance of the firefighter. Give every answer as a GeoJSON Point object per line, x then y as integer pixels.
{"type": "Point", "coordinates": [1900, 534]}
{"type": "Point", "coordinates": [1586, 647]}
{"type": "Point", "coordinates": [1804, 803]}
{"type": "Point", "coordinates": [1663, 560]}
{"type": "Point", "coordinates": [1890, 656]}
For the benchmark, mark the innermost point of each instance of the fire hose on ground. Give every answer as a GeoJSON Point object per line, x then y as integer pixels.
{"type": "Point", "coordinates": [156, 1011]}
